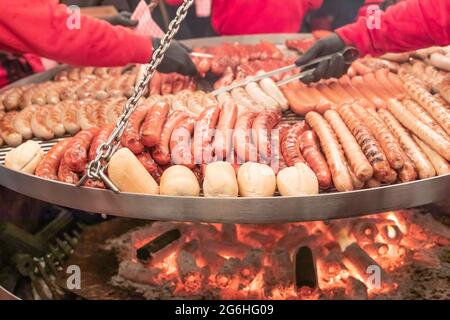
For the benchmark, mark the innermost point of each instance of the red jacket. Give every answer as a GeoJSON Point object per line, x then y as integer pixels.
{"type": "Point", "coordinates": [39, 27]}
{"type": "Point", "coordinates": [235, 17]}
{"type": "Point", "coordinates": [409, 25]}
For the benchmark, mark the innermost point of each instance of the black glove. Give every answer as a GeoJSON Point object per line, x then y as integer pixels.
{"type": "Point", "coordinates": [176, 59]}
{"type": "Point", "coordinates": [333, 68]}
{"type": "Point", "coordinates": [122, 19]}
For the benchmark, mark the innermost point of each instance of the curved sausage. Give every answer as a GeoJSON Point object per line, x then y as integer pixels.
{"type": "Point", "coordinates": [7, 131]}
{"type": "Point", "coordinates": [161, 152]}
{"type": "Point", "coordinates": [153, 123]}
{"type": "Point", "coordinates": [241, 97]}
{"type": "Point", "coordinates": [39, 124]}
{"type": "Point", "coordinates": [195, 102]}
{"type": "Point", "coordinates": [54, 120]}
{"type": "Point", "coordinates": [245, 149]}
{"type": "Point", "coordinates": [222, 143]}
{"type": "Point", "coordinates": [332, 150]}
{"type": "Point", "coordinates": [290, 144]}
{"type": "Point", "coordinates": [262, 131]}
{"type": "Point", "coordinates": [48, 167]}
{"type": "Point", "coordinates": [131, 137]}
{"type": "Point", "coordinates": [145, 158]}
{"type": "Point", "coordinates": [180, 143]}
{"type": "Point", "coordinates": [203, 134]}
{"type": "Point", "coordinates": [310, 148]}
{"type": "Point", "coordinates": [355, 156]}
{"type": "Point", "coordinates": [85, 110]}
{"type": "Point", "coordinates": [66, 174]}
{"type": "Point", "coordinates": [260, 97]}
{"type": "Point", "coordinates": [101, 137]}
{"type": "Point", "coordinates": [440, 164]}
{"type": "Point", "coordinates": [76, 155]}
{"type": "Point", "coordinates": [22, 122]}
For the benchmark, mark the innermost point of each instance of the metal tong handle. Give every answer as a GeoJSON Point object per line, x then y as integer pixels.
{"type": "Point", "coordinates": [96, 168]}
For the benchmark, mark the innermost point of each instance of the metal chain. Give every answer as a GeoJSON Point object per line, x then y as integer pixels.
{"type": "Point", "coordinates": [96, 168]}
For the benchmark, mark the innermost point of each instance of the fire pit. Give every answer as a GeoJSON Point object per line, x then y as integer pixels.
{"type": "Point", "coordinates": [401, 255]}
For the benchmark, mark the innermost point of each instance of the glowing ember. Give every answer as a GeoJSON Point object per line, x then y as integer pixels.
{"type": "Point", "coordinates": [351, 258]}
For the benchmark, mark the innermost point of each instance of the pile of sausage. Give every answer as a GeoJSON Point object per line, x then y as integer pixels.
{"type": "Point", "coordinates": [79, 98]}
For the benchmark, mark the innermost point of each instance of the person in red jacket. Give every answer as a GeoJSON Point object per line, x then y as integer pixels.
{"type": "Point", "coordinates": [238, 17]}
{"type": "Point", "coordinates": [49, 29]}
{"type": "Point", "coordinates": [406, 26]}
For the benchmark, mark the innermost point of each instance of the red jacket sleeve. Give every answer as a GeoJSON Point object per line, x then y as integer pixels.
{"type": "Point", "coordinates": [409, 25]}
{"type": "Point", "coordinates": [40, 27]}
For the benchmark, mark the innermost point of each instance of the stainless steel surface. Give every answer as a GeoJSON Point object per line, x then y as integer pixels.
{"type": "Point", "coordinates": [5, 295]}
{"type": "Point", "coordinates": [230, 210]}
{"type": "Point", "coordinates": [226, 210]}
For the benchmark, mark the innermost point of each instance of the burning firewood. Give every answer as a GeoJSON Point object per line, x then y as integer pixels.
{"type": "Point", "coordinates": [146, 252]}
{"type": "Point", "coordinates": [376, 250]}
{"type": "Point", "coordinates": [355, 289]}
{"type": "Point", "coordinates": [391, 234]}
{"type": "Point", "coordinates": [281, 269]}
{"type": "Point", "coordinates": [364, 231]}
{"type": "Point", "coordinates": [228, 275]}
{"type": "Point", "coordinates": [361, 265]}
{"type": "Point", "coordinates": [251, 265]}
{"type": "Point", "coordinates": [190, 274]}
{"type": "Point", "coordinates": [136, 272]}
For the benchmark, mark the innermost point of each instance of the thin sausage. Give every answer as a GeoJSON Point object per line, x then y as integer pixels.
{"type": "Point", "coordinates": [332, 150]}
{"type": "Point", "coordinates": [359, 84]}
{"type": "Point", "coordinates": [101, 137]}
{"type": "Point", "coordinates": [54, 120]}
{"type": "Point", "coordinates": [290, 147]}
{"type": "Point", "coordinates": [39, 124]}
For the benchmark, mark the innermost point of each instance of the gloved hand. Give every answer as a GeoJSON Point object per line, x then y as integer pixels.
{"type": "Point", "coordinates": [176, 59]}
{"type": "Point", "coordinates": [122, 19]}
{"type": "Point", "coordinates": [333, 68]}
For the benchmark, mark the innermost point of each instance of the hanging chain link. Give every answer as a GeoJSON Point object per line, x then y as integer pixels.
{"type": "Point", "coordinates": [96, 168]}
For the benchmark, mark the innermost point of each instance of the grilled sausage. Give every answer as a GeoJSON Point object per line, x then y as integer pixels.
{"type": "Point", "coordinates": [222, 143]}
{"type": "Point", "coordinates": [369, 145]}
{"type": "Point", "coordinates": [76, 154]}
{"type": "Point", "coordinates": [131, 137]}
{"type": "Point", "coordinates": [7, 131]}
{"type": "Point", "coordinates": [101, 137]}
{"type": "Point", "coordinates": [154, 122]}
{"type": "Point", "coordinates": [290, 144]}
{"type": "Point", "coordinates": [355, 156]}
{"type": "Point", "coordinates": [150, 165]}
{"type": "Point", "coordinates": [423, 165]}
{"type": "Point", "coordinates": [69, 116]}
{"type": "Point", "coordinates": [39, 124]}
{"type": "Point", "coordinates": [261, 131]}
{"type": "Point", "coordinates": [203, 134]}
{"type": "Point", "coordinates": [440, 164]}
{"type": "Point", "coordinates": [438, 111]}
{"type": "Point", "coordinates": [22, 122]}
{"type": "Point", "coordinates": [332, 150]}
{"type": "Point", "coordinates": [180, 143]}
{"type": "Point", "coordinates": [310, 148]}
{"type": "Point", "coordinates": [245, 149]}
{"type": "Point", "coordinates": [424, 132]}
{"type": "Point", "coordinates": [161, 152]}
{"type": "Point", "coordinates": [384, 137]}
{"type": "Point", "coordinates": [54, 120]}
{"type": "Point", "coordinates": [48, 167]}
